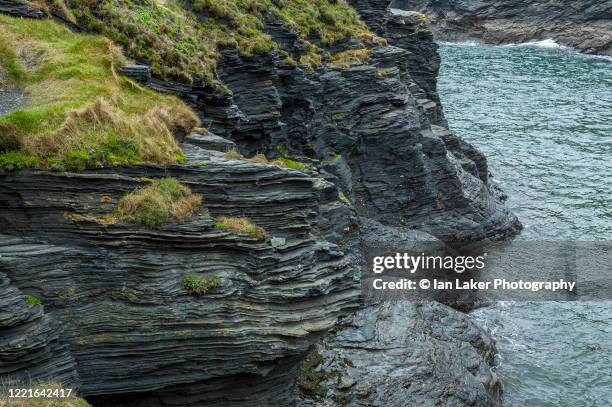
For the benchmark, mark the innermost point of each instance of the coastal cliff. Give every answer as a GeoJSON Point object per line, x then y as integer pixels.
{"type": "Point", "coordinates": [352, 145]}
{"type": "Point", "coordinates": [584, 25]}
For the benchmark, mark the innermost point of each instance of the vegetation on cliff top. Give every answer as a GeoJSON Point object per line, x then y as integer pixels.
{"type": "Point", "coordinates": [183, 39]}
{"type": "Point", "coordinates": [157, 203]}
{"type": "Point", "coordinates": [80, 113]}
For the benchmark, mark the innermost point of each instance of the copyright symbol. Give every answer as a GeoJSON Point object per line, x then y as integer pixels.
{"type": "Point", "coordinates": [424, 284]}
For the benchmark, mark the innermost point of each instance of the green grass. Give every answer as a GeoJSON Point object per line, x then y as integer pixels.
{"type": "Point", "coordinates": [156, 204]}
{"type": "Point", "coordinates": [183, 39]}
{"type": "Point", "coordinates": [80, 113]}
{"type": "Point", "coordinates": [199, 286]}
{"type": "Point", "coordinates": [33, 300]}
{"type": "Point", "coordinates": [292, 164]}
{"type": "Point", "coordinates": [240, 226]}
{"type": "Point", "coordinates": [343, 198]}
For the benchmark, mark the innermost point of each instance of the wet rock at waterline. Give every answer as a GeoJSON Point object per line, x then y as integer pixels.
{"type": "Point", "coordinates": [403, 354]}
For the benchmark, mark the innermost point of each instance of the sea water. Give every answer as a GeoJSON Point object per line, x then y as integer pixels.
{"type": "Point", "coordinates": [542, 114]}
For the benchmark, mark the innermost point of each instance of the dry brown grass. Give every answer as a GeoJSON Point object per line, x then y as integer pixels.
{"type": "Point", "coordinates": [80, 113]}
{"type": "Point", "coordinates": [345, 58]}
{"type": "Point", "coordinates": [156, 204]}
{"type": "Point", "coordinates": [259, 159]}
{"type": "Point", "coordinates": [150, 136]}
{"type": "Point", "coordinates": [185, 206]}
{"type": "Point", "coordinates": [233, 154]}
{"type": "Point", "coordinates": [240, 226]}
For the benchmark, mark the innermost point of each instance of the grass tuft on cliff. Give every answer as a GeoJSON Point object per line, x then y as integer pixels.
{"type": "Point", "coordinates": [79, 112]}
{"type": "Point", "coordinates": [155, 205]}
{"type": "Point", "coordinates": [32, 300]}
{"type": "Point", "coordinates": [196, 285]}
{"type": "Point", "coordinates": [240, 226]}
{"type": "Point", "coordinates": [281, 162]}
{"type": "Point", "coordinates": [183, 39]}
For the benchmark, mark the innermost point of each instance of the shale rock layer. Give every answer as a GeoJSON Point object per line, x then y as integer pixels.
{"type": "Point", "coordinates": [116, 288]}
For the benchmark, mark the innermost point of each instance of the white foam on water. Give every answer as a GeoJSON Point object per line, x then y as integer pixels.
{"type": "Point", "coordinates": [548, 43]}
{"type": "Point", "coordinates": [462, 43]}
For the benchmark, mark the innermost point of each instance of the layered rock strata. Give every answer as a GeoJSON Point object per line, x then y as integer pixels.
{"type": "Point", "coordinates": [381, 160]}
{"type": "Point", "coordinates": [116, 288]}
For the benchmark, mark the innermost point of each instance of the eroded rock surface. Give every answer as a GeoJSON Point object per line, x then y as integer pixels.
{"type": "Point", "coordinates": [585, 25]}
{"type": "Point", "coordinates": [378, 131]}
{"type": "Point", "coordinates": [116, 288]}
{"type": "Point", "coordinates": [31, 342]}
{"type": "Point", "coordinates": [382, 162]}
{"type": "Point", "coordinates": [406, 354]}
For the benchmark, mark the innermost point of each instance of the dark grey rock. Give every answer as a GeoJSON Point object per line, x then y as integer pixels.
{"type": "Point", "coordinates": [378, 118]}
{"type": "Point", "coordinates": [210, 141]}
{"type": "Point", "coordinates": [116, 289]}
{"type": "Point", "coordinates": [140, 73]}
{"type": "Point", "coordinates": [11, 99]}
{"type": "Point", "coordinates": [407, 354]}
{"type": "Point", "coordinates": [20, 8]}
{"type": "Point", "coordinates": [32, 343]}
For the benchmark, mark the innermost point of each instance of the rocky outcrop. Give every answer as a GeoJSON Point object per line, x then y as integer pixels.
{"type": "Point", "coordinates": [31, 341]}
{"type": "Point", "coordinates": [381, 161]}
{"type": "Point", "coordinates": [116, 288]}
{"type": "Point", "coordinates": [405, 354]}
{"type": "Point", "coordinates": [585, 25]}
{"type": "Point", "coordinates": [379, 134]}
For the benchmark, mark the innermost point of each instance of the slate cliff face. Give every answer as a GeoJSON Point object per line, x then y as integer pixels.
{"type": "Point", "coordinates": [585, 25]}
{"type": "Point", "coordinates": [377, 129]}
{"type": "Point", "coordinates": [115, 321]}
{"type": "Point", "coordinates": [116, 289]}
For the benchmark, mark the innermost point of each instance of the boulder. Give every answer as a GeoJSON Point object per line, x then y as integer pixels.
{"type": "Point", "coordinates": [400, 354]}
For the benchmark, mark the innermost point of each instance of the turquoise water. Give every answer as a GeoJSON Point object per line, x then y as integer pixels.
{"type": "Point", "coordinates": [543, 117]}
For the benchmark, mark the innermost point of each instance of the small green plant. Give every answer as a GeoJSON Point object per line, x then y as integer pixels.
{"type": "Point", "coordinates": [292, 164]}
{"type": "Point", "coordinates": [14, 160]}
{"type": "Point", "coordinates": [33, 300]}
{"type": "Point", "coordinates": [309, 379]}
{"type": "Point", "coordinates": [156, 204]}
{"type": "Point", "coordinates": [343, 198]}
{"type": "Point", "coordinates": [197, 285]}
{"type": "Point", "coordinates": [240, 226]}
